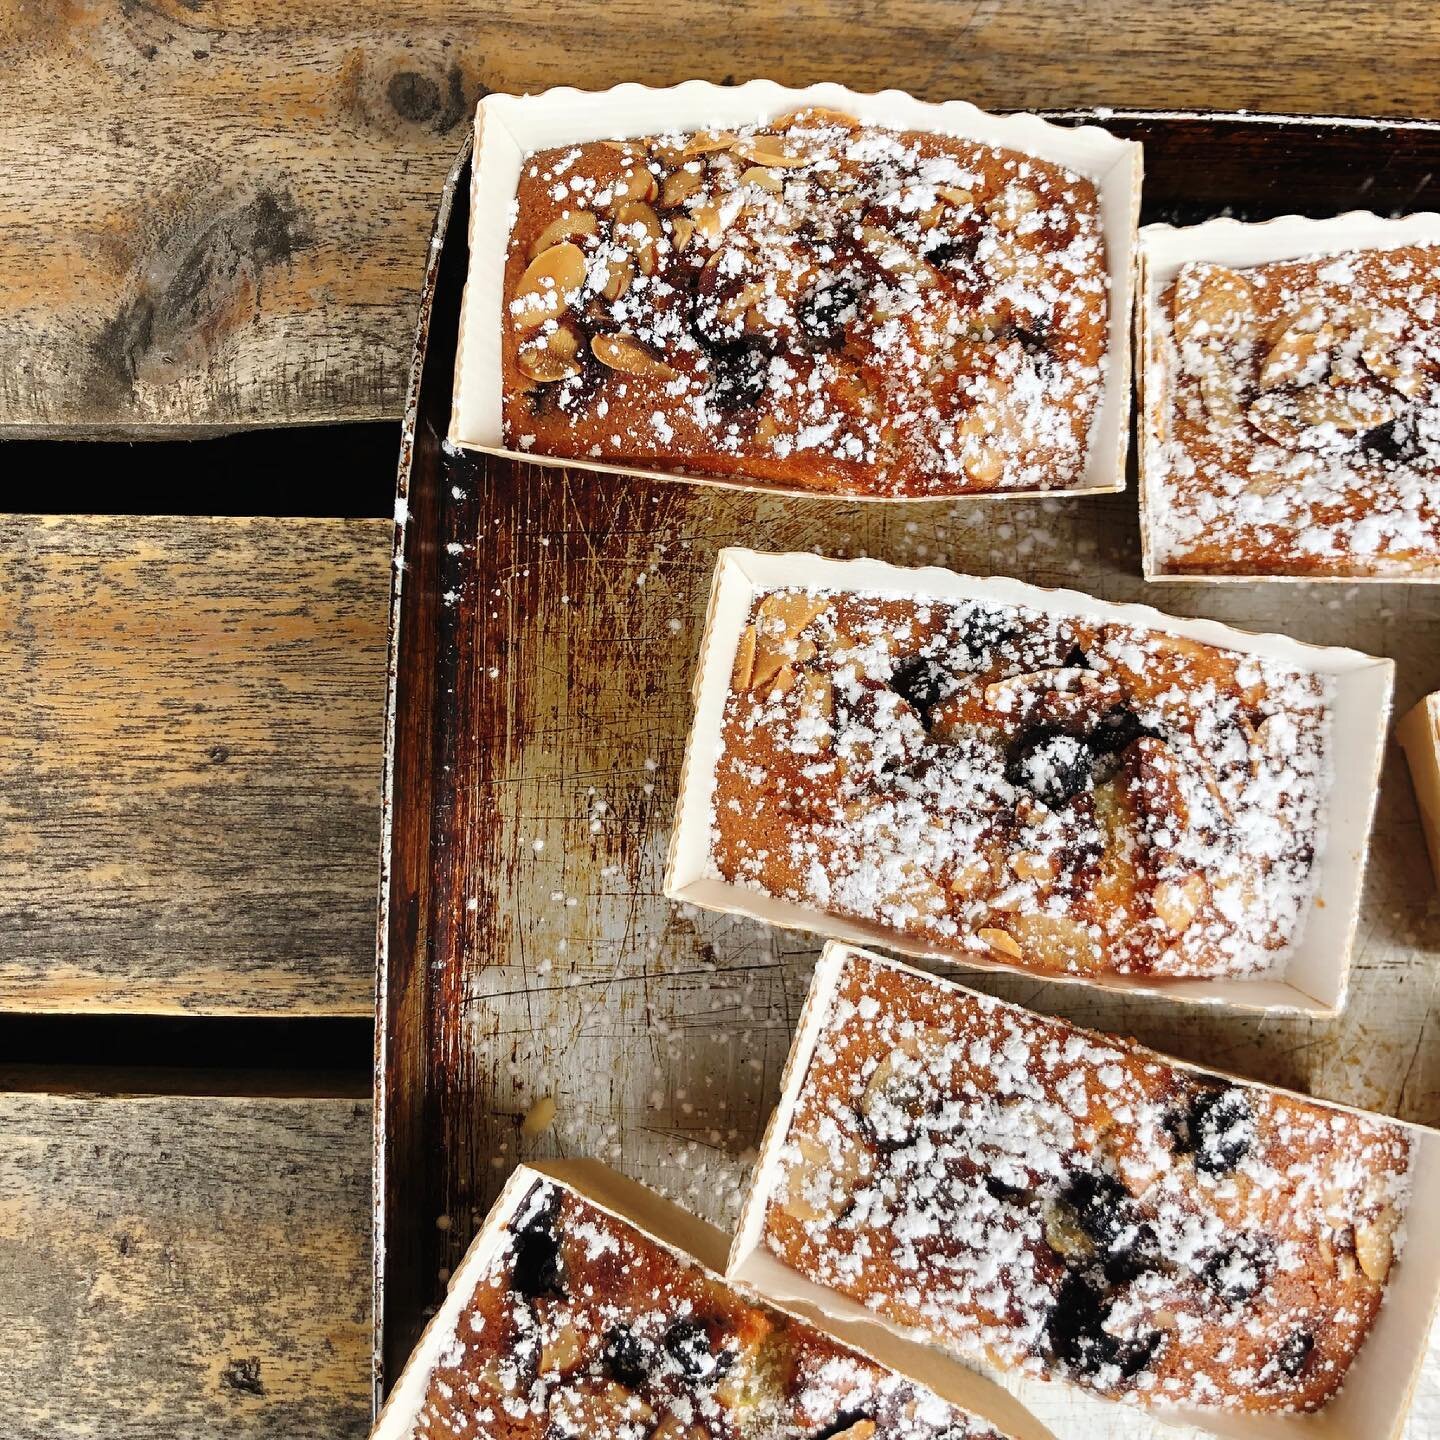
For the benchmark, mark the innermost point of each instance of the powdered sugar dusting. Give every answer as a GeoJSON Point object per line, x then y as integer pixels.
{"type": "Point", "coordinates": [1060, 793]}
{"type": "Point", "coordinates": [1073, 1205]}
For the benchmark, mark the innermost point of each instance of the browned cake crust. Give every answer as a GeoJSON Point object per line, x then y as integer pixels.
{"type": "Point", "coordinates": [1078, 1207]}
{"type": "Point", "coordinates": [1299, 425]}
{"type": "Point", "coordinates": [1062, 794]}
{"type": "Point", "coordinates": [813, 302]}
{"type": "Point", "coordinates": [586, 1329]}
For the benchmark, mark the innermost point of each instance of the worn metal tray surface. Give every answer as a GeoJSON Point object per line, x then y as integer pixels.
{"type": "Point", "coordinates": [544, 635]}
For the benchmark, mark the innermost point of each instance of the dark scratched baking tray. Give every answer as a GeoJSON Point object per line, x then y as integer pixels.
{"type": "Point", "coordinates": [543, 634]}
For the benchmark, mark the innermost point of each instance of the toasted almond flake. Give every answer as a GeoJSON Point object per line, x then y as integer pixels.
{"type": "Point", "coordinates": [682, 227]}
{"type": "Point", "coordinates": [562, 1350]}
{"type": "Point", "coordinates": [550, 357]}
{"type": "Point", "coordinates": [564, 227]}
{"type": "Point", "coordinates": [1375, 1245]}
{"type": "Point", "coordinates": [638, 228]}
{"type": "Point", "coordinates": [814, 116]}
{"type": "Point", "coordinates": [550, 282]}
{"type": "Point", "coordinates": [762, 176]}
{"type": "Point", "coordinates": [860, 1430]}
{"type": "Point", "coordinates": [1223, 307]}
{"type": "Point", "coordinates": [626, 354]}
{"type": "Point", "coordinates": [707, 142]}
{"type": "Point", "coordinates": [1031, 865]}
{"type": "Point", "coordinates": [819, 1184]}
{"type": "Point", "coordinates": [744, 666]}
{"type": "Point", "coordinates": [636, 185]}
{"type": "Point", "coordinates": [788, 612]}
{"type": "Point", "coordinates": [708, 222]}
{"type": "Point", "coordinates": [1001, 941]}
{"type": "Point", "coordinates": [1298, 357]}
{"type": "Point", "coordinates": [769, 150]}
{"type": "Point", "coordinates": [1346, 408]}
{"type": "Point", "coordinates": [618, 276]}
{"type": "Point", "coordinates": [680, 185]}
{"type": "Point", "coordinates": [1178, 902]}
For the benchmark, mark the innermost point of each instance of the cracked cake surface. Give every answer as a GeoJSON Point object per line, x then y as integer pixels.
{"type": "Point", "coordinates": [811, 302]}
{"type": "Point", "coordinates": [1294, 424]}
{"type": "Point", "coordinates": [1060, 793]}
{"type": "Point", "coordinates": [1078, 1207]}
{"type": "Point", "coordinates": [584, 1328]}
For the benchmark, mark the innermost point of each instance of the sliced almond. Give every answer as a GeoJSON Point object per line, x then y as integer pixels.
{"type": "Point", "coordinates": [550, 282]}
{"type": "Point", "coordinates": [631, 148]}
{"type": "Point", "coordinates": [682, 227]}
{"type": "Point", "coordinates": [771, 150]}
{"type": "Point", "coordinates": [1001, 941]}
{"type": "Point", "coordinates": [672, 1427]}
{"type": "Point", "coordinates": [708, 222]}
{"type": "Point", "coordinates": [728, 312]}
{"type": "Point", "coordinates": [970, 877]}
{"type": "Point", "coordinates": [762, 176]}
{"type": "Point", "coordinates": [577, 223]}
{"type": "Point", "coordinates": [626, 354]}
{"type": "Point", "coordinates": [1375, 1245]}
{"type": "Point", "coordinates": [1378, 354]}
{"type": "Point", "coordinates": [1178, 902]}
{"type": "Point", "coordinates": [1214, 304]}
{"type": "Point", "coordinates": [817, 697]}
{"type": "Point", "coordinates": [637, 184]}
{"type": "Point", "coordinates": [593, 1406]}
{"type": "Point", "coordinates": [819, 1184]}
{"type": "Point", "coordinates": [787, 612]}
{"type": "Point", "coordinates": [563, 1351]}
{"type": "Point", "coordinates": [744, 667]}
{"type": "Point", "coordinates": [1010, 207]}
{"type": "Point", "coordinates": [784, 680]}
{"type": "Point", "coordinates": [955, 195]}
{"type": "Point", "coordinates": [680, 185]}
{"type": "Point", "coordinates": [637, 227]}
{"type": "Point", "coordinates": [815, 115]}
{"type": "Point", "coordinates": [1054, 942]}
{"type": "Point", "coordinates": [1220, 391]}
{"type": "Point", "coordinates": [1031, 865]}
{"type": "Point", "coordinates": [707, 142]}
{"type": "Point", "coordinates": [552, 356]}
{"type": "Point", "coordinates": [860, 1430]}
{"type": "Point", "coordinates": [1298, 357]}
{"type": "Point", "coordinates": [619, 273]}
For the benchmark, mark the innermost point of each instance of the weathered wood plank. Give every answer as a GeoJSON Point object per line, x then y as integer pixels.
{"type": "Point", "coordinates": [174, 1268]}
{"type": "Point", "coordinates": [214, 212]}
{"type": "Point", "coordinates": [190, 738]}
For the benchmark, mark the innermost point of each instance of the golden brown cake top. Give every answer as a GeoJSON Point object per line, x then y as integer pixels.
{"type": "Point", "coordinates": [1079, 1207]}
{"type": "Point", "coordinates": [1059, 793]}
{"type": "Point", "coordinates": [583, 1328]}
{"type": "Point", "coordinates": [1300, 418]}
{"type": "Point", "coordinates": [813, 302]}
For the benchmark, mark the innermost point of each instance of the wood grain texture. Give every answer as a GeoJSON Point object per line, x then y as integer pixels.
{"type": "Point", "coordinates": [183, 1268]}
{"type": "Point", "coordinates": [213, 212]}
{"type": "Point", "coordinates": [190, 757]}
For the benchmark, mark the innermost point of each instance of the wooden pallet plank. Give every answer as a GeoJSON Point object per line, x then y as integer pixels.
{"type": "Point", "coordinates": [213, 213]}
{"type": "Point", "coordinates": [179, 1267]}
{"type": "Point", "coordinates": [190, 753]}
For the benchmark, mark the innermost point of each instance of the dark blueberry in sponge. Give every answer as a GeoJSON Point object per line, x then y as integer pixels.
{"type": "Point", "coordinates": [739, 375]}
{"type": "Point", "coordinates": [820, 314]}
{"type": "Point", "coordinates": [689, 1342]}
{"type": "Point", "coordinates": [626, 1357]}
{"type": "Point", "coordinates": [537, 1269]}
{"type": "Point", "coordinates": [1294, 1352]}
{"type": "Point", "coordinates": [1238, 1271]}
{"type": "Point", "coordinates": [1076, 1327]}
{"type": "Point", "coordinates": [985, 635]}
{"type": "Point", "coordinates": [1051, 764]}
{"type": "Point", "coordinates": [1116, 729]}
{"type": "Point", "coordinates": [1383, 442]}
{"type": "Point", "coordinates": [923, 683]}
{"type": "Point", "coordinates": [1101, 1204]}
{"type": "Point", "coordinates": [1222, 1130]}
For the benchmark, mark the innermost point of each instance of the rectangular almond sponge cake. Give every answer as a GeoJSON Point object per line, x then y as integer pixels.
{"type": "Point", "coordinates": [811, 302]}
{"type": "Point", "coordinates": [582, 1327]}
{"type": "Point", "coordinates": [1294, 418]}
{"type": "Point", "coordinates": [1073, 1205]}
{"type": "Point", "coordinates": [1067, 794]}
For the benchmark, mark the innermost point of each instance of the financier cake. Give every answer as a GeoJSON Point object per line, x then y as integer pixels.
{"type": "Point", "coordinates": [1293, 417]}
{"type": "Point", "coordinates": [1061, 793]}
{"type": "Point", "coordinates": [1075, 1206]}
{"type": "Point", "coordinates": [582, 1327]}
{"type": "Point", "coordinates": [812, 302]}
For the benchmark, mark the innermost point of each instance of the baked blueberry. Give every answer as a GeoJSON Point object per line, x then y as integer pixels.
{"type": "Point", "coordinates": [1222, 1129]}
{"type": "Point", "coordinates": [923, 683]}
{"type": "Point", "coordinates": [689, 1342]}
{"type": "Point", "coordinates": [823, 312]}
{"type": "Point", "coordinates": [626, 1356]}
{"type": "Point", "coordinates": [538, 1269]}
{"type": "Point", "coordinates": [1051, 764]}
{"type": "Point", "coordinates": [1293, 1354]}
{"type": "Point", "coordinates": [1076, 1327]}
{"type": "Point", "coordinates": [1238, 1271]}
{"type": "Point", "coordinates": [1117, 728]}
{"type": "Point", "coordinates": [739, 375]}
